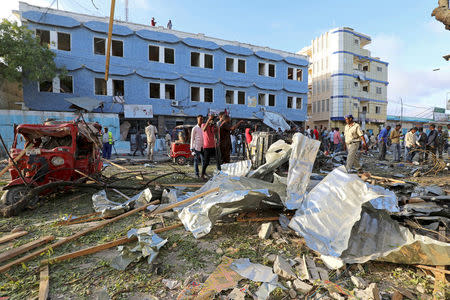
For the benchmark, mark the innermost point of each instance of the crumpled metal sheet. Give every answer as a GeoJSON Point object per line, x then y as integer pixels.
{"type": "Point", "coordinates": [419, 209]}
{"type": "Point", "coordinates": [255, 272]}
{"type": "Point", "coordinates": [275, 120]}
{"type": "Point", "coordinates": [239, 168]}
{"type": "Point", "coordinates": [110, 208]}
{"type": "Point", "coordinates": [336, 221]}
{"type": "Point", "coordinates": [148, 245]}
{"type": "Point", "coordinates": [387, 200]}
{"type": "Point", "coordinates": [277, 154]}
{"type": "Point", "coordinates": [301, 161]}
{"type": "Point", "coordinates": [236, 194]}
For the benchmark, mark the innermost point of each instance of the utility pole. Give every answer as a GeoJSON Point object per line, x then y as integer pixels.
{"type": "Point", "coordinates": [108, 48]}
{"type": "Point", "coordinates": [126, 10]}
{"type": "Point", "coordinates": [401, 112]}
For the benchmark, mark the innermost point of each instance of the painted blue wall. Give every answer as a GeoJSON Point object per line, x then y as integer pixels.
{"type": "Point", "coordinates": [137, 71]}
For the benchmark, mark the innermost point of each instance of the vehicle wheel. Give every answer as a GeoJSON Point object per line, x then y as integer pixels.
{"type": "Point", "coordinates": [13, 195]}
{"type": "Point", "coordinates": [181, 160]}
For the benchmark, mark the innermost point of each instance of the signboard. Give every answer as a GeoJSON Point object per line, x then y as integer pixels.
{"type": "Point", "coordinates": [135, 111]}
{"type": "Point", "coordinates": [439, 115]}
{"type": "Point", "coordinates": [251, 101]}
{"type": "Point", "coordinates": [439, 110]}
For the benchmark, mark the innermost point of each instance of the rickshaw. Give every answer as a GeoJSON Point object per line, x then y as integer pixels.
{"type": "Point", "coordinates": [180, 150]}
{"type": "Point", "coordinates": [53, 151]}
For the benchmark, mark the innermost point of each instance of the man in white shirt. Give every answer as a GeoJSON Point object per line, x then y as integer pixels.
{"type": "Point", "coordinates": [197, 144]}
{"type": "Point", "coordinates": [150, 132]}
{"type": "Point", "coordinates": [411, 143]}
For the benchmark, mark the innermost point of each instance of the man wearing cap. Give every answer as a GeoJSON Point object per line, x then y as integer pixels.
{"type": "Point", "coordinates": [353, 136]}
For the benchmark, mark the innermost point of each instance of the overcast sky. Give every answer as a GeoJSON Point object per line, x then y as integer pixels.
{"type": "Point", "coordinates": [403, 33]}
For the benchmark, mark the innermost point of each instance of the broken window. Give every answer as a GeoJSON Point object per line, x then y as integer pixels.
{"type": "Point", "coordinates": [356, 42]}
{"type": "Point", "coordinates": [170, 91]}
{"type": "Point", "coordinates": [261, 99]}
{"type": "Point", "coordinates": [379, 69]}
{"type": "Point", "coordinates": [208, 95]}
{"type": "Point", "coordinates": [365, 88]}
{"type": "Point", "coordinates": [195, 93]}
{"type": "Point", "coordinates": [63, 41]}
{"type": "Point", "coordinates": [241, 65]}
{"type": "Point", "coordinates": [44, 36]}
{"type": "Point", "coordinates": [299, 75]}
{"type": "Point", "coordinates": [366, 68]}
{"type": "Point", "coordinates": [229, 97]}
{"type": "Point", "coordinates": [117, 48]}
{"type": "Point", "coordinates": [298, 104]}
{"type": "Point", "coordinates": [153, 53]}
{"type": "Point", "coordinates": [208, 61]}
{"type": "Point", "coordinates": [378, 90]}
{"type": "Point", "coordinates": [355, 84]}
{"type": "Point", "coordinates": [241, 97]}
{"type": "Point", "coordinates": [364, 109]}
{"type": "Point", "coordinates": [118, 87]}
{"type": "Point", "coordinates": [378, 109]}
{"type": "Point", "coordinates": [46, 86]}
{"type": "Point", "coordinates": [154, 90]}
{"type": "Point", "coordinates": [271, 100]}
{"type": "Point", "coordinates": [99, 46]}
{"type": "Point", "coordinates": [230, 64]}
{"type": "Point", "coordinates": [195, 59]}
{"type": "Point", "coordinates": [66, 84]}
{"type": "Point", "coordinates": [290, 73]}
{"type": "Point", "coordinates": [261, 67]}
{"type": "Point", "coordinates": [271, 70]}
{"type": "Point", "coordinates": [169, 55]}
{"type": "Point", "coordinates": [100, 86]}
{"type": "Point", "coordinates": [289, 102]}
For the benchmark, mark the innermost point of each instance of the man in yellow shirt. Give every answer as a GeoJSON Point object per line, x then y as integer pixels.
{"type": "Point", "coordinates": [395, 140]}
{"type": "Point", "coordinates": [353, 137]}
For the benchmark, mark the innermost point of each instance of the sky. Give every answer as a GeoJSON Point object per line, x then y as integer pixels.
{"type": "Point", "coordinates": [403, 33]}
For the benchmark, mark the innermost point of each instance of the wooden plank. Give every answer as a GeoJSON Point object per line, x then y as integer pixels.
{"type": "Point", "coordinates": [433, 269]}
{"type": "Point", "coordinates": [121, 194]}
{"type": "Point", "coordinates": [24, 248]}
{"type": "Point", "coordinates": [123, 168]}
{"type": "Point", "coordinates": [102, 247]}
{"type": "Point", "coordinates": [12, 236]}
{"type": "Point", "coordinates": [73, 237]}
{"type": "Point", "coordinates": [44, 283]}
{"type": "Point", "coordinates": [87, 176]}
{"type": "Point", "coordinates": [21, 153]}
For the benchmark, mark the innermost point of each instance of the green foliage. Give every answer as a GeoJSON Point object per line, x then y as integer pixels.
{"type": "Point", "coordinates": [22, 56]}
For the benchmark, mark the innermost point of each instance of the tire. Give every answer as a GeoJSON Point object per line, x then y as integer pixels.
{"type": "Point", "coordinates": [181, 160]}
{"type": "Point", "coordinates": [13, 195]}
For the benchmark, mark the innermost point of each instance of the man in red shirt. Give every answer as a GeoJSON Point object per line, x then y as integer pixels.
{"type": "Point", "coordinates": [153, 22]}
{"type": "Point", "coordinates": [209, 144]}
{"type": "Point", "coordinates": [315, 133]}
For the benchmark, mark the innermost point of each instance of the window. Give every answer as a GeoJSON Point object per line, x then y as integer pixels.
{"type": "Point", "coordinates": [208, 61]}
{"type": "Point", "coordinates": [298, 103]}
{"type": "Point", "coordinates": [289, 101]}
{"type": "Point", "coordinates": [117, 48]}
{"type": "Point", "coordinates": [195, 59]}
{"type": "Point", "coordinates": [364, 109]}
{"type": "Point", "coordinates": [261, 68]}
{"type": "Point", "coordinates": [261, 99]}
{"type": "Point", "coordinates": [169, 55]}
{"type": "Point", "coordinates": [195, 93]}
{"type": "Point", "coordinates": [299, 74]}
{"type": "Point", "coordinates": [355, 84]}
{"type": "Point", "coordinates": [170, 91]}
{"type": "Point", "coordinates": [318, 106]}
{"type": "Point", "coordinates": [366, 68]}
{"type": "Point", "coordinates": [314, 107]}
{"type": "Point", "coordinates": [365, 88]}
{"type": "Point", "coordinates": [271, 100]}
{"type": "Point", "coordinates": [100, 86]}
{"type": "Point", "coordinates": [378, 90]}
{"type": "Point", "coordinates": [271, 70]}
{"type": "Point", "coordinates": [154, 90]}
{"type": "Point", "coordinates": [118, 87]}
{"type": "Point", "coordinates": [355, 105]}
{"type": "Point", "coordinates": [153, 53]}
{"type": "Point", "coordinates": [378, 109]}
{"type": "Point", "coordinates": [379, 69]}
{"type": "Point", "coordinates": [63, 41]}
{"type": "Point", "coordinates": [232, 96]}
{"type": "Point", "coordinates": [99, 46]}
{"type": "Point", "coordinates": [46, 86]}
{"type": "Point", "coordinates": [230, 64]}
{"type": "Point", "coordinates": [241, 98]}
{"type": "Point", "coordinates": [356, 41]}
{"type": "Point", "coordinates": [328, 104]}
{"type": "Point", "coordinates": [229, 97]}
{"type": "Point", "coordinates": [66, 84]}
{"type": "Point", "coordinates": [290, 73]}
{"type": "Point", "coordinates": [44, 36]}
{"type": "Point", "coordinates": [241, 65]}
{"type": "Point", "coordinates": [323, 105]}
{"type": "Point", "coordinates": [208, 94]}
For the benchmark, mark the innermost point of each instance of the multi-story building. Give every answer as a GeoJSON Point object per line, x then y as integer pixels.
{"type": "Point", "coordinates": [345, 79]}
{"type": "Point", "coordinates": [174, 76]}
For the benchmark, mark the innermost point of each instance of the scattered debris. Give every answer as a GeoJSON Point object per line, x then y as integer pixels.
{"type": "Point", "coordinates": [282, 268]}
{"type": "Point", "coordinates": [302, 287]}
{"type": "Point", "coordinates": [265, 231]}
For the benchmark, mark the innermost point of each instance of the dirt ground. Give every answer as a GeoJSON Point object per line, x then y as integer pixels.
{"type": "Point", "coordinates": [183, 258]}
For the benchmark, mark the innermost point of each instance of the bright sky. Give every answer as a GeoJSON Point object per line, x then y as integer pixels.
{"type": "Point", "coordinates": [403, 33]}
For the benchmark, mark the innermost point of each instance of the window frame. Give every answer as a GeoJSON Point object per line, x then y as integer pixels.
{"type": "Point", "coordinates": [245, 65]}
{"type": "Point", "coordinates": [212, 62]}
{"type": "Point", "coordinates": [123, 47]}
{"type": "Point", "coordinates": [274, 100]}
{"type": "Point", "coordinates": [39, 87]}
{"type": "Point", "coordinates": [232, 64]}
{"type": "Point", "coordinates": [49, 34]}
{"type": "Point", "coordinates": [156, 46]}
{"type": "Point", "coordinates": [70, 40]}
{"type": "Point", "coordinates": [93, 45]}
{"type": "Point", "coordinates": [150, 89]}
{"type": "Point", "coordinates": [59, 78]}
{"type": "Point", "coordinates": [106, 87]}
{"type": "Point", "coordinates": [174, 52]}
{"type": "Point", "coordinates": [199, 58]}
{"type": "Point", "coordinates": [113, 88]}
{"type": "Point", "coordinates": [165, 89]}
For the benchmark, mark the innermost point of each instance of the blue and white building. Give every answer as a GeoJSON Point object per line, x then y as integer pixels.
{"type": "Point", "coordinates": [172, 76]}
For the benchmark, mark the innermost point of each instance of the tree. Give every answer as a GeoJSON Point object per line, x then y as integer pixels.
{"type": "Point", "coordinates": [22, 56]}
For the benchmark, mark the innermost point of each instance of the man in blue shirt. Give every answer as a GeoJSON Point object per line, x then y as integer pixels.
{"type": "Point", "coordinates": [382, 140]}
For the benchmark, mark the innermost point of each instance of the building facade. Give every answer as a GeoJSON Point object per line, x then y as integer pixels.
{"type": "Point", "coordinates": [173, 75]}
{"type": "Point", "coordinates": [343, 78]}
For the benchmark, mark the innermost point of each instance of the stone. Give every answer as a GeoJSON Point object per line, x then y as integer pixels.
{"type": "Point", "coordinates": [265, 231]}
{"type": "Point", "coordinates": [271, 258]}
{"type": "Point", "coordinates": [370, 293]}
{"type": "Point", "coordinates": [276, 236]}
{"type": "Point", "coordinates": [170, 284]}
{"type": "Point", "coordinates": [289, 284]}
{"type": "Point", "coordinates": [292, 293]}
{"type": "Point", "coordinates": [359, 282]}
{"type": "Point", "coordinates": [420, 289]}
{"type": "Point", "coordinates": [237, 294]}
{"type": "Point", "coordinates": [302, 287]}
{"type": "Point", "coordinates": [337, 296]}
{"type": "Point", "coordinates": [282, 268]}
{"type": "Point", "coordinates": [219, 251]}
{"type": "Point", "coordinates": [323, 273]}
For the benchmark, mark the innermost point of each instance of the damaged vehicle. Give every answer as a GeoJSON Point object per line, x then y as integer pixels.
{"type": "Point", "coordinates": [54, 151]}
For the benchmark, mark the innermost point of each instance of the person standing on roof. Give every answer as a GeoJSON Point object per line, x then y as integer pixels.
{"type": "Point", "coordinates": [153, 22]}
{"type": "Point", "coordinates": [107, 140]}
{"type": "Point", "coordinates": [197, 144]}
{"type": "Point", "coordinates": [169, 24]}
{"type": "Point", "coordinates": [150, 132]}
{"type": "Point", "coordinates": [353, 137]}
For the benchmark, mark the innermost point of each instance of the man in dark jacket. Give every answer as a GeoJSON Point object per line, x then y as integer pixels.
{"type": "Point", "coordinates": [432, 141]}
{"type": "Point", "coordinates": [423, 143]}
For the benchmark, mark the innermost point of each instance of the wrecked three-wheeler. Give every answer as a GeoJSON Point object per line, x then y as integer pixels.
{"type": "Point", "coordinates": [51, 152]}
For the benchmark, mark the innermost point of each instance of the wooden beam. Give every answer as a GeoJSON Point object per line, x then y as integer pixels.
{"type": "Point", "coordinates": [73, 237]}
{"type": "Point", "coordinates": [102, 247]}
{"type": "Point", "coordinates": [24, 248]}
{"type": "Point", "coordinates": [121, 194]}
{"type": "Point", "coordinates": [12, 236]}
{"type": "Point", "coordinates": [108, 51]}
{"type": "Point", "coordinates": [433, 269]}
{"type": "Point", "coordinates": [88, 177]}
{"type": "Point", "coordinates": [44, 283]}
{"type": "Point", "coordinates": [21, 153]}
{"type": "Point", "coordinates": [123, 168]}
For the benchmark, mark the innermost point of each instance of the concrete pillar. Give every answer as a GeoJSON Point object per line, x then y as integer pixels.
{"type": "Point", "coordinates": [161, 54]}
{"type": "Point", "coordinates": [202, 60]}
{"type": "Point", "coordinates": [266, 69]}
{"type": "Point", "coordinates": [202, 94]}
{"type": "Point", "coordinates": [162, 91]}
{"type": "Point", "coordinates": [235, 64]}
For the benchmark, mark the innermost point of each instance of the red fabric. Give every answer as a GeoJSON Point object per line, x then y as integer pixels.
{"type": "Point", "coordinates": [248, 135]}
{"type": "Point", "coordinates": [208, 136]}
{"type": "Point", "coordinates": [316, 134]}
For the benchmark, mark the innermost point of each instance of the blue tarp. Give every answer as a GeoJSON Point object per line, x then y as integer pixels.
{"type": "Point", "coordinates": [50, 19]}
{"type": "Point", "coordinates": [157, 36]}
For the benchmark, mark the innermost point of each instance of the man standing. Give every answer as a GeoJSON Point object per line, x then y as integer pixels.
{"type": "Point", "coordinates": [382, 140]}
{"type": "Point", "coordinates": [337, 140]}
{"type": "Point", "coordinates": [150, 132]}
{"type": "Point", "coordinates": [308, 131]}
{"type": "Point", "coordinates": [225, 129]}
{"type": "Point", "coordinates": [209, 144]}
{"type": "Point", "coordinates": [315, 133]}
{"type": "Point", "coordinates": [168, 140]}
{"type": "Point", "coordinates": [169, 24]}
{"type": "Point", "coordinates": [197, 144]}
{"type": "Point", "coordinates": [432, 141]}
{"type": "Point", "coordinates": [331, 139]}
{"type": "Point", "coordinates": [442, 140]}
{"type": "Point", "coordinates": [139, 146]}
{"type": "Point", "coordinates": [422, 143]}
{"type": "Point", "coordinates": [395, 140]}
{"type": "Point", "coordinates": [353, 136]}
{"type": "Point", "coordinates": [410, 144]}
{"type": "Point", "coordinates": [107, 140]}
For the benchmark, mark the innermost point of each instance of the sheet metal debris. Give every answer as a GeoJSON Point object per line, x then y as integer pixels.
{"type": "Point", "coordinates": [275, 120]}
{"type": "Point", "coordinates": [110, 208]}
{"type": "Point", "coordinates": [255, 272]}
{"type": "Point", "coordinates": [147, 245]}
{"type": "Point", "coordinates": [277, 154]}
{"type": "Point", "coordinates": [239, 168]}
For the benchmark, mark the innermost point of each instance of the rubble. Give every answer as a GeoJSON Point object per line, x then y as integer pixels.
{"type": "Point", "coordinates": [358, 282]}
{"type": "Point", "coordinates": [302, 287]}
{"type": "Point", "coordinates": [265, 231]}
{"type": "Point", "coordinates": [282, 268]}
